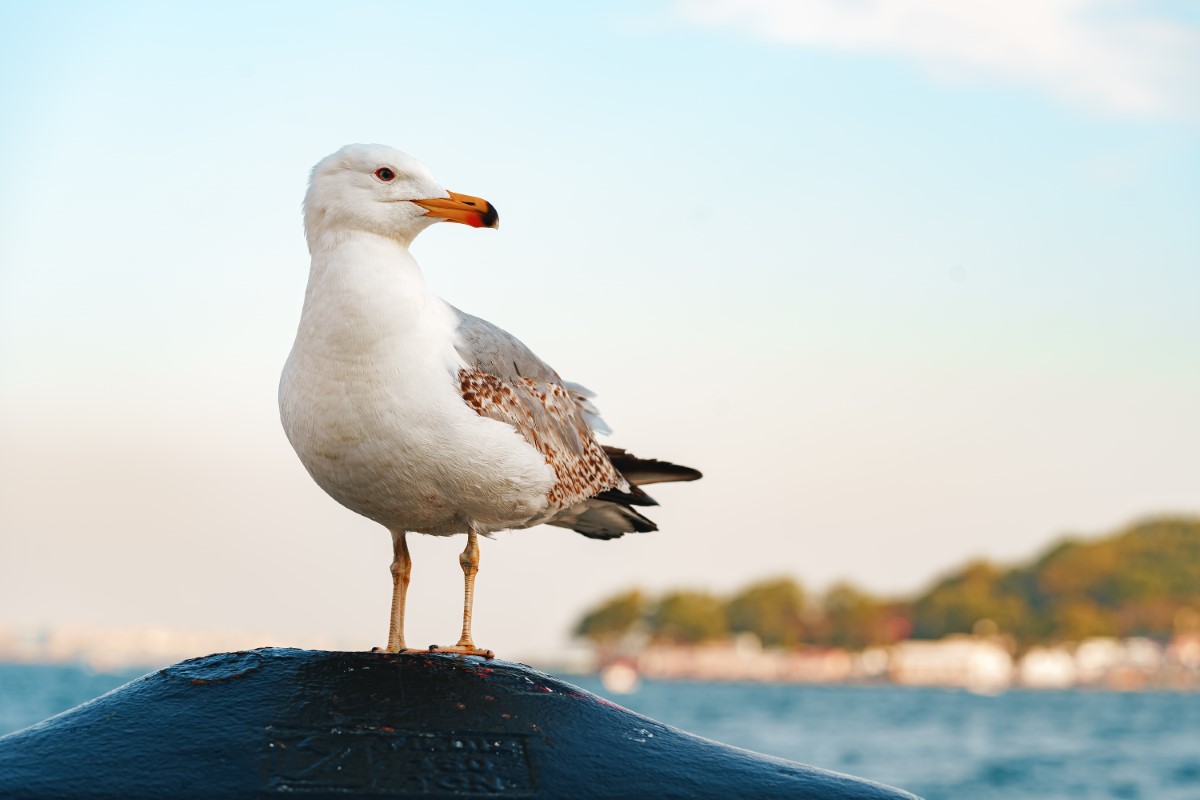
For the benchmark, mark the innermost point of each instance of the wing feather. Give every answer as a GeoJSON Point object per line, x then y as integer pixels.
{"type": "Point", "coordinates": [502, 379]}
{"type": "Point", "coordinates": [596, 486]}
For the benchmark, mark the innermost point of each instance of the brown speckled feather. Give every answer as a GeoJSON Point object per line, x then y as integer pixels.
{"type": "Point", "coordinates": [505, 381]}
{"type": "Point", "coordinates": [546, 414]}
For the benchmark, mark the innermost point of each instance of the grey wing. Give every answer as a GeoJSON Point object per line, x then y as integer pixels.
{"type": "Point", "coordinates": [503, 379]}
{"type": "Point", "coordinates": [490, 348]}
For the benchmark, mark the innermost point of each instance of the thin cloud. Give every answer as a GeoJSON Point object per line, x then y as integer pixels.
{"type": "Point", "coordinates": [1115, 56]}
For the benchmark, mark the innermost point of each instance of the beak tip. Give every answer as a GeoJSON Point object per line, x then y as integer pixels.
{"type": "Point", "coordinates": [473, 211]}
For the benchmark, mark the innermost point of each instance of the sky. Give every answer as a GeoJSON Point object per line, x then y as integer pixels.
{"type": "Point", "coordinates": [910, 282]}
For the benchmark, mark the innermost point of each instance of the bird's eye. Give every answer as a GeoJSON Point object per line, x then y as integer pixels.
{"type": "Point", "coordinates": [384, 174]}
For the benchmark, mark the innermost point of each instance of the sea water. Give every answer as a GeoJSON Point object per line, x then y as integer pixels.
{"type": "Point", "coordinates": [937, 743]}
{"type": "Point", "coordinates": [947, 743]}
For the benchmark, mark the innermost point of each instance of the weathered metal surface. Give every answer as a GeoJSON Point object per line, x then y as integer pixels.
{"type": "Point", "coordinates": [317, 724]}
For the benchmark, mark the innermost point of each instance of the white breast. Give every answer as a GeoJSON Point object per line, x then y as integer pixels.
{"type": "Point", "coordinates": [369, 400]}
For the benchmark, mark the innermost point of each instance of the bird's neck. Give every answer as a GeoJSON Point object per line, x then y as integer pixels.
{"type": "Point", "coordinates": [364, 279]}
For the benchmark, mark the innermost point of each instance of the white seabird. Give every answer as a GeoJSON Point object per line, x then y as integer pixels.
{"type": "Point", "coordinates": [424, 418]}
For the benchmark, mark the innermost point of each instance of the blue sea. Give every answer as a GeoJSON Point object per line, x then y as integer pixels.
{"type": "Point", "coordinates": [938, 743]}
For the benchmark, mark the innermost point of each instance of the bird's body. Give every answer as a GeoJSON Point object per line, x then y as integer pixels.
{"type": "Point", "coordinates": [419, 416]}
{"type": "Point", "coordinates": [370, 400]}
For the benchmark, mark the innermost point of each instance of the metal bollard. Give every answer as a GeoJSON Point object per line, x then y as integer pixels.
{"type": "Point", "coordinates": [317, 724]}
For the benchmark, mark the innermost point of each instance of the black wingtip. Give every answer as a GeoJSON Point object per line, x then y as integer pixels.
{"type": "Point", "coordinates": [648, 470]}
{"type": "Point", "coordinates": [639, 523]}
{"type": "Point", "coordinates": [634, 497]}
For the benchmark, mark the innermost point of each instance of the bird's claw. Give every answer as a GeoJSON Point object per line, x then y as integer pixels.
{"type": "Point", "coordinates": [462, 650]}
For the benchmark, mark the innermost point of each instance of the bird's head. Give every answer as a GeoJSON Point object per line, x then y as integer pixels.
{"type": "Point", "coordinates": [376, 188]}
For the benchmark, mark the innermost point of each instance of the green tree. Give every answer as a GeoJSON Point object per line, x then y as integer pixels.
{"type": "Point", "coordinates": [854, 619]}
{"type": "Point", "coordinates": [1132, 583]}
{"type": "Point", "coordinates": [1144, 580]}
{"type": "Point", "coordinates": [688, 618]}
{"type": "Point", "coordinates": [1079, 618]}
{"type": "Point", "coordinates": [772, 610]}
{"type": "Point", "coordinates": [614, 619]}
{"type": "Point", "coordinates": [979, 591]}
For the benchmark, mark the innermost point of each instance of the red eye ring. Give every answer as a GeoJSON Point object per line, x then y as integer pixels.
{"type": "Point", "coordinates": [384, 174]}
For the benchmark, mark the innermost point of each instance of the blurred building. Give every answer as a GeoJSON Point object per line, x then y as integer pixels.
{"type": "Point", "coordinates": [980, 664]}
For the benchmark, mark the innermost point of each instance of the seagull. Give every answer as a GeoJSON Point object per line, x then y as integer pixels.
{"type": "Point", "coordinates": [422, 417]}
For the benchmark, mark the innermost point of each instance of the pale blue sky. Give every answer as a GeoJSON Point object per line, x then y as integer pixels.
{"type": "Point", "coordinates": [901, 304]}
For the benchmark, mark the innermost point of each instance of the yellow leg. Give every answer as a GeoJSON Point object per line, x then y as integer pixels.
{"type": "Point", "coordinates": [469, 561]}
{"type": "Point", "coordinates": [401, 571]}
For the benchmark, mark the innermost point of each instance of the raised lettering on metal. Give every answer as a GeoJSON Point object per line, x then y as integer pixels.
{"type": "Point", "coordinates": [387, 762]}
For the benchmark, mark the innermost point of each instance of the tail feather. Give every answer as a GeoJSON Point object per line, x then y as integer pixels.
{"type": "Point", "coordinates": [611, 513]}
{"type": "Point", "coordinates": [600, 519]}
{"type": "Point", "coordinates": [639, 471]}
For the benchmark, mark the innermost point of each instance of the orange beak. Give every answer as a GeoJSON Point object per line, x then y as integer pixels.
{"type": "Point", "coordinates": [473, 211]}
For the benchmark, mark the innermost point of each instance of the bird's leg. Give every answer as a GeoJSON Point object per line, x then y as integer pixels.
{"type": "Point", "coordinates": [401, 571]}
{"type": "Point", "coordinates": [469, 560]}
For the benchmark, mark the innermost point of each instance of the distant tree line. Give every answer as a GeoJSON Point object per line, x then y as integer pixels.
{"type": "Point", "coordinates": [1143, 580]}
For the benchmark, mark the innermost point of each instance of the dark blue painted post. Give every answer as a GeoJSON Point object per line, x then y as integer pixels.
{"type": "Point", "coordinates": [316, 724]}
